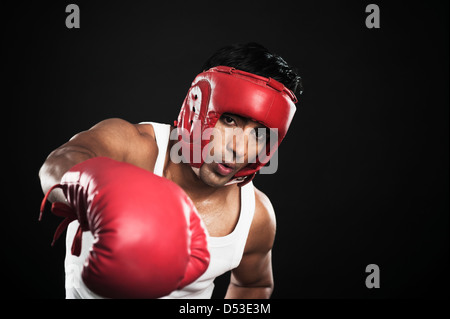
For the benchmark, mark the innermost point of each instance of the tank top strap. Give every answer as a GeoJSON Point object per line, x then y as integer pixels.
{"type": "Point", "coordinates": [247, 214]}
{"type": "Point", "coordinates": [162, 135]}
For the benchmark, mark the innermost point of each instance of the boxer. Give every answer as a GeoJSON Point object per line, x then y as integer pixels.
{"type": "Point", "coordinates": [243, 87]}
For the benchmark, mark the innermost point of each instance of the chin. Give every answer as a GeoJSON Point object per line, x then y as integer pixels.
{"type": "Point", "coordinates": [214, 182]}
{"type": "Point", "coordinates": [211, 178]}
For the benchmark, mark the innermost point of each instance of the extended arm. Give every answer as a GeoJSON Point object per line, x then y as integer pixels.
{"type": "Point", "coordinates": [113, 138]}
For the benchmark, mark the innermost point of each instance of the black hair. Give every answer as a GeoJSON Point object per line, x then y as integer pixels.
{"type": "Point", "coordinates": [254, 58]}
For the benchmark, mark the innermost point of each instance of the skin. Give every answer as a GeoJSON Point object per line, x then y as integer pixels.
{"type": "Point", "coordinates": [218, 205]}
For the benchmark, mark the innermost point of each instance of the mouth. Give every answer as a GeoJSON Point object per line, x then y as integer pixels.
{"type": "Point", "coordinates": [225, 169]}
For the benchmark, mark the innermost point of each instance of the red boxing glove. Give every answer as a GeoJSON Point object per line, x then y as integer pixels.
{"type": "Point", "coordinates": [148, 237]}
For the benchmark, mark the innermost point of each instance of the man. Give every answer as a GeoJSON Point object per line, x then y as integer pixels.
{"type": "Point", "coordinates": [239, 218]}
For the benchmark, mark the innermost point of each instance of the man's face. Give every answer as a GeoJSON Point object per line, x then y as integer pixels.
{"type": "Point", "coordinates": [236, 141]}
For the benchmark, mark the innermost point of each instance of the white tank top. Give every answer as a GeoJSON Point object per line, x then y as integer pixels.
{"type": "Point", "coordinates": [226, 252]}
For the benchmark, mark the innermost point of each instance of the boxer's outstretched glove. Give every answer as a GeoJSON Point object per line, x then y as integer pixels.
{"type": "Point", "coordinates": [148, 237]}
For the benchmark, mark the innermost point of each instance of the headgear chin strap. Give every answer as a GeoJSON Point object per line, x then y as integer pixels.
{"type": "Point", "coordinates": [225, 89]}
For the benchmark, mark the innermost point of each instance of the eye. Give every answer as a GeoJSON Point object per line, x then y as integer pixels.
{"type": "Point", "coordinates": [260, 135]}
{"type": "Point", "coordinates": [228, 120]}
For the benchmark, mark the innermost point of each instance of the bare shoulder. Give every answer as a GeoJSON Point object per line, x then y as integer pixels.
{"type": "Point", "coordinates": [146, 130]}
{"type": "Point", "coordinates": [136, 141]}
{"type": "Point", "coordinates": [263, 228]}
{"type": "Point", "coordinates": [119, 126]}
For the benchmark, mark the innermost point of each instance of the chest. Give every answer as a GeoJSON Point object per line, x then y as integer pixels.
{"type": "Point", "coordinates": [220, 218]}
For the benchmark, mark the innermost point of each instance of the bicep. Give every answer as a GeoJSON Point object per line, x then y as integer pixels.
{"type": "Point", "coordinates": [255, 270]}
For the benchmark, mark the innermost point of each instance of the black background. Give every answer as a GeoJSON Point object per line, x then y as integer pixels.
{"type": "Point", "coordinates": [363, 171]}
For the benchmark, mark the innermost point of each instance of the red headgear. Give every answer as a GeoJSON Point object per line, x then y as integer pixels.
{"type": "Point", "coordinates": [224, 89]}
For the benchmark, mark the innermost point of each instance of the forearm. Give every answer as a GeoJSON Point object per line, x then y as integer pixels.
{"type": "Point", "coordinates": [56, 165]}
{"type": "Point", "coordinates": [239, 292]}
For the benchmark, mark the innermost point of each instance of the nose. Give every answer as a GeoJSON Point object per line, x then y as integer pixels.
{"type": "Point", "coordinates": [237, 145]}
